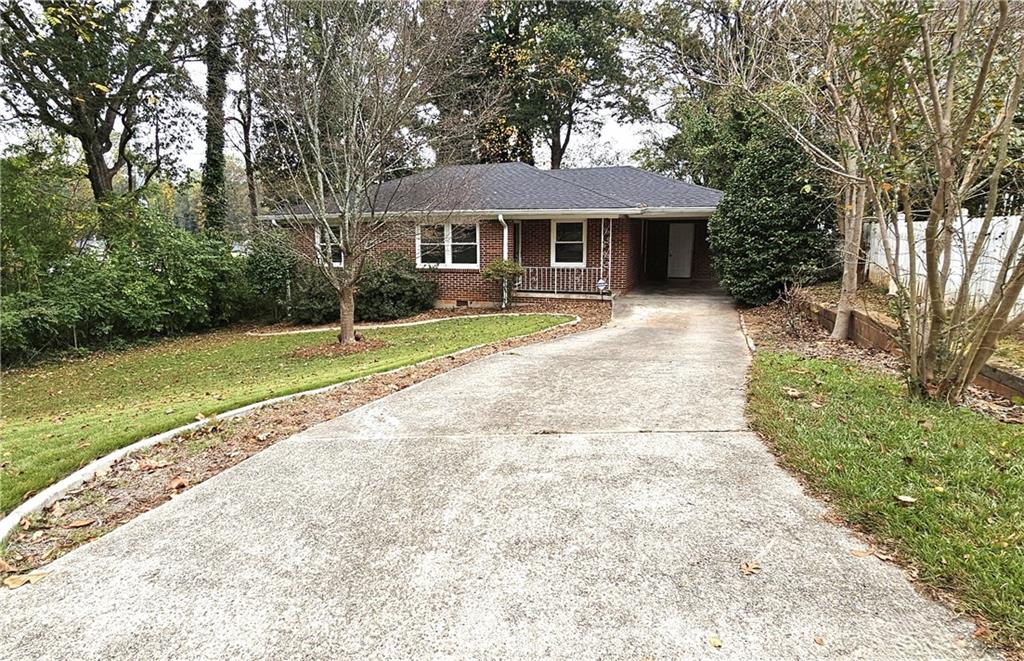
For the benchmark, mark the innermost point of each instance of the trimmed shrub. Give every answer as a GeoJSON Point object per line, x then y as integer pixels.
{"type": "Point", "coordinates": [507, 272]}
{"type": "Point", "coordinates": [773, 224]}
{"type": "Point", "coordinates": [391, 288]}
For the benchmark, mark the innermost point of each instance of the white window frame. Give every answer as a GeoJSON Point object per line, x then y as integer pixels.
{"type": "Point", "coordinates": [554, 225]}
{"type": "Point", "coordinates": [448, 249]}
{"type": "Point", "coordinates": [317, 236]}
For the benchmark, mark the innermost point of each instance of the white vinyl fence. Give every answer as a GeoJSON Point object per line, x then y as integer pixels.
{"type": "Point", "coordinates": [965, 235]}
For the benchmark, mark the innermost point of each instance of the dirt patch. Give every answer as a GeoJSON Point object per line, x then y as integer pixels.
{"type": "Point", "coordinates": [148, 478]}
{"type": "Point", "coordinates": [336, 349]}
{"type": "Point", "coordinates": [781, 326]}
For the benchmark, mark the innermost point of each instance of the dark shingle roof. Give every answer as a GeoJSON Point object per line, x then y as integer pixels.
{"type": "Point", "coordinates": [639, 188]}
{"type": "Point", "coordinates": [521, 187]}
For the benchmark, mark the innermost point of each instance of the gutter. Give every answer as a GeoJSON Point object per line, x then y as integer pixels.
{"type": "Point", "coordinates": [515, 214]}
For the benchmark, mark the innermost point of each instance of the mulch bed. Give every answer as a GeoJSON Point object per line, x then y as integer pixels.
{"type": "Point", "coordinates": [148, 478]}
{"type": "Point", "coordinates": [781, 326]}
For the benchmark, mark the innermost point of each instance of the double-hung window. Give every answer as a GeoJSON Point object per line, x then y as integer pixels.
{"type": "Point", "coordinates": [448, 245]}
{"type": "Point", "coordinates": [327, 245]}
{"type": "Point", "coordinates": [569, 243]}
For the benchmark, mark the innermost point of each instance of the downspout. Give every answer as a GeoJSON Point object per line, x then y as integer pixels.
{"type": "Point", "coordinates": [504, 237]}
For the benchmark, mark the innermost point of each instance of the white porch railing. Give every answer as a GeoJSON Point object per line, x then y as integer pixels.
{"type": "Point", "coordinates": [557, 279]}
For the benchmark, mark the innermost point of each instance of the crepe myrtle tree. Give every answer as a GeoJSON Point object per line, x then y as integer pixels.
{"type": "Point", "coordinates": [348, 94]}
{"type": "Point", "coordinates": [916, 111]}
{"type": "Point", "coordinates": [943, 87]}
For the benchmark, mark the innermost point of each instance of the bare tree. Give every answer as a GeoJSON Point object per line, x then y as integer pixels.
{"type": "Point", "coordinates": [914, 108]}
{"type": "Point", "coordinates": [349, 93]}
{"type": "Point", "coordinates": [790, 60]}
{"type": "Point", "coordinates": [944, 123]}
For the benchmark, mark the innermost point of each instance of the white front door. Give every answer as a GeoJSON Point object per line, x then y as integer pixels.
{"type": "Point", "coordinates": [680, 250]}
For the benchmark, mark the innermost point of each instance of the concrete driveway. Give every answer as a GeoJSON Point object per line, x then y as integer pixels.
{"type": "Point", "coordinates": [592, 496]}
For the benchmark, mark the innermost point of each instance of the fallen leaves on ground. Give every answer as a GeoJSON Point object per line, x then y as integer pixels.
{"type": "Point", "coordinates": [121, 492]}
{"type": "Point", "coordinates": [905, 501]}
{"type": "Point", "coordinates": [5, 568]}
{"type": "Point", "coordinates": [152, 465]}
{"type": "Point", "coordinates": [715, 642]}
{"type": "Point", "coordinates": [818, 640]}
{"type": "Point", "coordinates": [15, 582]}
{"type": "Point", "coordinates": [793, 393]}
{"type": "Point", "coordinates": [81, 523]}
{"type": "Point", "coordinates": [750, 567]}
{"type": "Point", "coordinates": [871, 550]}
{"type": "Point", "coordinates": [177, 483]}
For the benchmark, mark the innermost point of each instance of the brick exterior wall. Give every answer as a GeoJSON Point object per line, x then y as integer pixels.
{"type": "Point", "coordinates": [703, 269]}
{"type": "Point", "coordinates": [537, 242]}
{"type": "Point", "coordinates": [627, 249]}
{"type": "Point", "coordinates": [463, 286]}
{"type": "Point", "coordinates": [467, 286]}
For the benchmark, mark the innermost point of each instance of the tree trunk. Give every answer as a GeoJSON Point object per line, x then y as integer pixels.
{"type": "Point", "coordinates": [556, 153]}
{"type": "Point", "coordinates": [559, 144]}
{"type": "Point", "coordinates": [347, 317]}
{"type": "Point", "coordinates": [852, 228]}
{"type": "Point", "coordinates": [101, 177]}
{"type": "Point", "coordinates": [214, 196]}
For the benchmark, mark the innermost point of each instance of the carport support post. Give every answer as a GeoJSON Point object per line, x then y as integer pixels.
{"type": "Point", "coordinates": [504, 257]}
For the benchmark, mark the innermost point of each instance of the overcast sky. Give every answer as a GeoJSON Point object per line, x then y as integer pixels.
{"type": "Point", "coordinates": [614, 144]}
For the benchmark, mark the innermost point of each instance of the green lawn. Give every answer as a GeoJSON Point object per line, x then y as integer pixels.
{"type": "Point", "coordinates": [59, 416]}
{"type": "Point", "coordinates": [852, 434]}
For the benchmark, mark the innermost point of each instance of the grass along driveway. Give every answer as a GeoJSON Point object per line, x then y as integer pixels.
{"type": "Point", "coordinates": [854, 435]}
{"type": "Point", "coordinates": [58, 417]}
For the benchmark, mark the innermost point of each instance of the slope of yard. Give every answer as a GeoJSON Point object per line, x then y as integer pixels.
{"type": "Point", "coordinates": [873, 300]}
{"type": "Point", "coordinates": [58, 417]}
{"type": "Point", "coordinates": [851, 432]}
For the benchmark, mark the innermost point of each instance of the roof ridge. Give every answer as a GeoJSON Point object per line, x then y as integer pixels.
{"type": "Point", "coordinates": [667, 178]}
{"type": "Point", "coordinates": [622, 203]}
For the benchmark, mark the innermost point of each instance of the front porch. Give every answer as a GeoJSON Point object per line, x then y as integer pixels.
{"type": "Point", "coordinates": [593, 257]}
{"type": "Point", "coordinates": [563, 280]}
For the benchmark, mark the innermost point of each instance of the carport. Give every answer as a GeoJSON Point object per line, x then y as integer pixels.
{"type": "Point", "coordinates": [677, 249]}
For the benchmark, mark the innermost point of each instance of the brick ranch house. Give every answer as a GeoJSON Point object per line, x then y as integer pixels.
{"type": "Point", "coordinates": [578, 233]}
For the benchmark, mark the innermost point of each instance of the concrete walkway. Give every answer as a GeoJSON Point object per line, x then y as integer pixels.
{"type": "Point", "coordinates": [591, 496]}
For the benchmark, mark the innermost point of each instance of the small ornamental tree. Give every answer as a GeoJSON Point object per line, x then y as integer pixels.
{"type": "Point", "coordinates": [771, 227]}
{"type": "Point", "coordinates": [507, 272]}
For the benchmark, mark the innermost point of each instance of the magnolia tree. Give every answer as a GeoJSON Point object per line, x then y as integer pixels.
{"type": "Point", "coordinates": [348, 95]}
